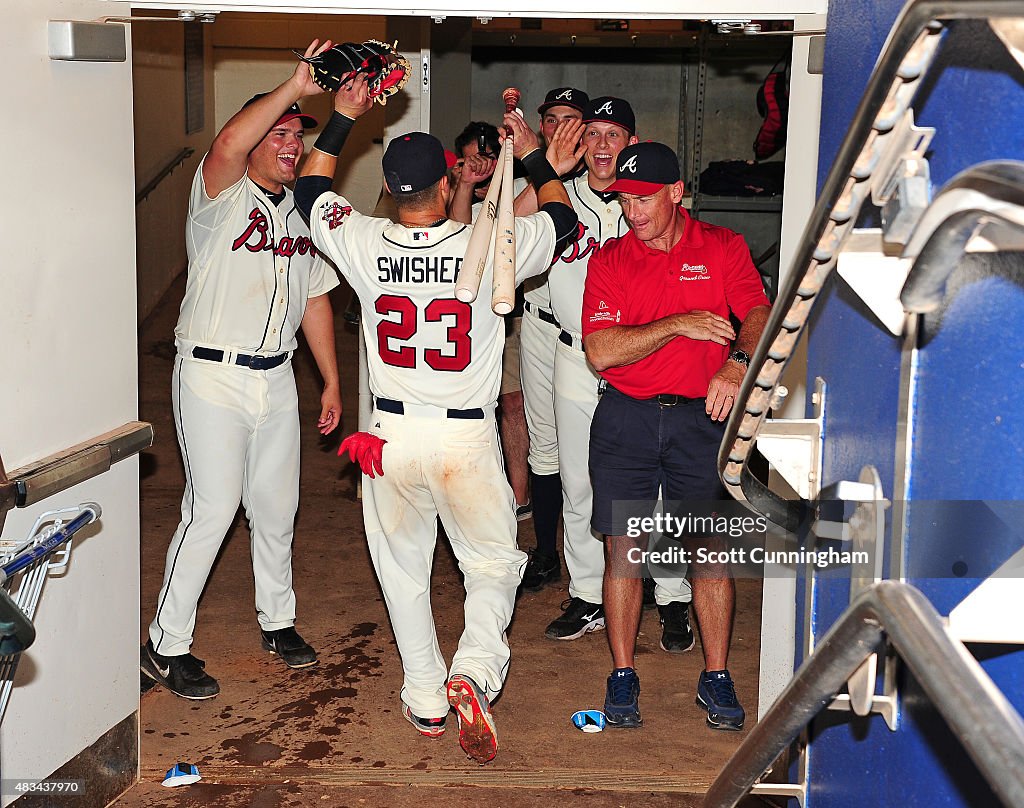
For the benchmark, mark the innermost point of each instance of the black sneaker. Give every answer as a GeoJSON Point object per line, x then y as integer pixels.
{"type": "Point", "coordinates": [676, 634]}
{"type": "Point", "coordinates": [540, 571]}
{"type": "Point", "coordinates": [578, 617]}
{"type": "Point", "coordinates": [287, 644]}
{"type": "Point", "coordinates": [182, 675]}
{"type": "Point", "coordinates": [649, 601]}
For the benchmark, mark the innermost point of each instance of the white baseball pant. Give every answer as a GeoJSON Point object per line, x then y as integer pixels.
{"type": "Point", "coordinates": [238, 430]}
{"type": "Point", "coordinates": [575, 401]}
{"type": "Point", "coordinates": [438, 466]}
{"type": "Point", "coordinates": [576, 397]}
{"type": "Point", "coordinates": [537, 343]}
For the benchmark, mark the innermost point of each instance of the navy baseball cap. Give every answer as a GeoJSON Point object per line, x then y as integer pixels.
{"type": "Point", "coordinates": [308, 121]}
{"type": "Point", "coordinates": [609, 109]}
{"type": "Point", "coordinates": [413, 162]}
{"type": "Point", "coordinates": [565, 97]}
{"type": "Point", "coordinates": [644, 169]}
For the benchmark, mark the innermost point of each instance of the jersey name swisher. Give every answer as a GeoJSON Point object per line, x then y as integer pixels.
{"type": "Point", "coordinates": [418, 268]}
{"type": "Point", "coordinates": [258, 230]}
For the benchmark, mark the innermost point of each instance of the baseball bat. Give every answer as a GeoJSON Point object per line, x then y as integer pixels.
{"type": "Point", "coordinates": [475, 261]}
{"type": "Point", "coordinates": [503, 291]}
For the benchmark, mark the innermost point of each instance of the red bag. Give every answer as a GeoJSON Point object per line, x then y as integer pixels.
{"type": "Point", "coordinates": [773, 105]}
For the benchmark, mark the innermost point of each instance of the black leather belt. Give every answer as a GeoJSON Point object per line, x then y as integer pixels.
{"type": "Point", "coordinates": [662, 399]}
{"type": "Point", "coordinates": [570, 339]}
{"type": "Point", "coordinates": [398, 408]}
{"type": "Point", "coordinates": [671, 399]}
{"type": "Point", "coordinates": [543, 314]}
{"type": "Point", "coordinates": [251, 362]}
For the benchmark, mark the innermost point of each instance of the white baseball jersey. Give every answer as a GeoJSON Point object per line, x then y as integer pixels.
{"type": "Point", "coordinates": [424, 345]}
{"type": "Point", "coordinates": [599, 221]}
{"type": "Point", "coordinates": [252, 266]}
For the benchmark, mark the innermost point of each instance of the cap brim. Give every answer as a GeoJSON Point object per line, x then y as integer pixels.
{"type": "Point", "coordinates": [545, 107]}
{"type": "Point", "coordinates": [308, 121]}
{"type": "Point", "coordinates": [635, 187]}
{"type": "Point", "coordinates": [606, 120]}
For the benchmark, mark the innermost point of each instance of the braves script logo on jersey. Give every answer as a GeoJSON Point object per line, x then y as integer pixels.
{"type": "Point", "coordinates": [579, 249]}
{"type": "Point", "coordinates": [694, 272]}
{"type": "Point", "coordinates": [258, 231]}
{"type": "Point", "coordinates": [334, 214]}
{"type": "Point", "coordinates": [629, 165]}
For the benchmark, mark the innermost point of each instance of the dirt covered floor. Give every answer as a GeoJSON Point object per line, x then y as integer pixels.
{"type": "Point", "coordinates": [333, 734]}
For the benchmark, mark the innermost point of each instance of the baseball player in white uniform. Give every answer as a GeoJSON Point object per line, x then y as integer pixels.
{"type": "Point", "coordinates": [608, 126]}
{"type": "Point", "coordinates": [253, 278]}
{"type": "Point", "coordinates": [539, 336]}
{"type": "Point", "coordinates": [434, 369]}
{"type": "Point", "coordinates": [476, 149]}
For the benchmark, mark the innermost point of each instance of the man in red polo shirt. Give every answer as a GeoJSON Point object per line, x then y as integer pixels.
{"type": "Point", "coordinates": [656, 327]}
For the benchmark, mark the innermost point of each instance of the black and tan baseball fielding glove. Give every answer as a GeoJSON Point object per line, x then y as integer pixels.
{"type": "Point", "coordinates": [385, 68]}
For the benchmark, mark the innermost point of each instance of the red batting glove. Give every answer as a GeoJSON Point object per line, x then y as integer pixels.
{"type": "Point", "coordinates": [365, 449]}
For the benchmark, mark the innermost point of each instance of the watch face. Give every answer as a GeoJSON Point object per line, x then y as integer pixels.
{"type": "Point", "coordinates": [740, 356]}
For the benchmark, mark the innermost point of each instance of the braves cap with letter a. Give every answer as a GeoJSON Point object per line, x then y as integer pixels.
{"type": "Point", "coordinates": [413, 162]}
{"type": "Point", "coordinates": [609, 109]}
{"type": "Point", "coordinates": [307, 121]}
{"type": "Point", "coordinates": [564, 97]}
{"type": "Point", "coordinates": [645, 168]}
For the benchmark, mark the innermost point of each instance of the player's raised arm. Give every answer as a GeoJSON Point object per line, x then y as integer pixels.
{"type": "Point", "coordinates": [351, 101]}
{"type": "Point", "coordinates": [564, 152]}
{"type": "Point", "coordinates": [551, 195]}
{"type": "Point", "coordinates": [226, 162]}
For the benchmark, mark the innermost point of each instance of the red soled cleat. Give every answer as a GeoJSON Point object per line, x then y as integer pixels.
{"type": "Point", "coordinates": [477, 734]}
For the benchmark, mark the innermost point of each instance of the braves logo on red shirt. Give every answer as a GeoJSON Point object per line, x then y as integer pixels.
{"type": "Point", "coordinates": [334, 215]}
{"type": "Point", "coordinates": [256, 238]}
{"type": "Point", "coordinates": [694, 272]}
{"type": "Point", "coordinates": [579, 249]}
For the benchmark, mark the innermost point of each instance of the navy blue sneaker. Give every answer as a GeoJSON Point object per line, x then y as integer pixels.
{"type": "Point", "coordinates": [717, 694]}
{"type": "Point", "coordinates": [622, 699]}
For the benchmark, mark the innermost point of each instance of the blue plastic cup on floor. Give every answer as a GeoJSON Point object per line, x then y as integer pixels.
{"type": "Point", "coordinates": [588, 720]}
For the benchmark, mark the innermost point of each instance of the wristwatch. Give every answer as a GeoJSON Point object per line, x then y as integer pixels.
{"type": "Point", "coordinates": [742, 357]}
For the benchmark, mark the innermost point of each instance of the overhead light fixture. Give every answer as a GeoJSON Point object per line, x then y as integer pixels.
{"type": "Point", "coordinates": [730, 26]}
{"type": "Point", "coordinates": [184, 15]}
{"type": "Point", "coordinates": [751, 28]}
